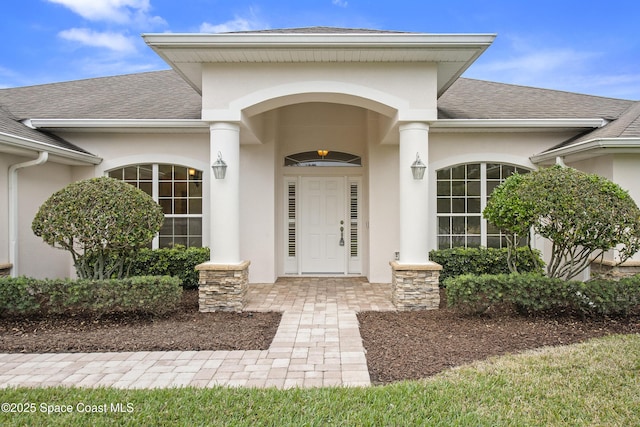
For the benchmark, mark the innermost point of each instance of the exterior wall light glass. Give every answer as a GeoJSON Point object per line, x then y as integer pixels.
{"type": "Point", "coordinates": [219, 167]}
{"type": "Point", "coordinates": [418, 168]}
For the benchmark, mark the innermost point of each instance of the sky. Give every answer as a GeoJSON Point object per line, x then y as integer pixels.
{"type": "Point", "coordinates": [583, 46]}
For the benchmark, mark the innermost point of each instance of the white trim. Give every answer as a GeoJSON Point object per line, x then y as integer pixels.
{"type": "Point", "coordinates": [314, 40]}
{"type": "Point", "coordinates": [321, 91]}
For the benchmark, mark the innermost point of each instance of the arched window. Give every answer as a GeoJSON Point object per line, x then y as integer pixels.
{"type": "Point", "coordinates": [322, 158]}
{"type": "Point", "coordinates": [178, 189]}
{"type": "Point", "coordinates": [462, 196]}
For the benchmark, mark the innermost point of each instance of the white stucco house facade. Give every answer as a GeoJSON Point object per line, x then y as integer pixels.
{"type": "Point", "coordinates": [319, 129]}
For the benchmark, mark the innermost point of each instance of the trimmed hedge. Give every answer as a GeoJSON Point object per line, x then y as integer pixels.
{"type": "Point", "coordinates": [457, 261]}
{"type": "Point", "coordinates": [534, 293]}
{"type": "Point", "coordinates": [147, 294]}
{"type": "Point", "coordinates": [178, 261]}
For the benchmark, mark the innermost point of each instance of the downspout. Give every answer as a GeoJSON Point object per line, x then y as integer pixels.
{"type": "Point", "coordinates": [43, 156]}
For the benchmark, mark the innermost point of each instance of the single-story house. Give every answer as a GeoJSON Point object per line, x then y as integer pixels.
{"type": "Point", "coordinates": [321, 131]}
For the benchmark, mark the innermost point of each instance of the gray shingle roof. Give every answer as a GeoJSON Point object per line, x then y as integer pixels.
{"type": "Point", "coordinates": [153, 95]}
{"type": "Point", "coordinates": [12, 126]}
{"type": "Point", "coordinates": [477, 99]}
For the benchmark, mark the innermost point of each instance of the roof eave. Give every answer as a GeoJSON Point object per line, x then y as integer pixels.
{"type": "Point", "coordinates": [588, 149]}
{"type": "Point", "coordinates": [19, 144]}
{"type": "Point", "coordinates": [263, 47]}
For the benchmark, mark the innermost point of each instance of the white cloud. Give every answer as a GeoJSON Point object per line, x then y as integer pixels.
{"type": "Point", "coordinates": [239, 23]}
{"type": "Point", "coordinates": [119, 11]}
{"type": "Point", "coordinates": [112, 41]}
{"type": "Point", "coordinates": [341, 3]}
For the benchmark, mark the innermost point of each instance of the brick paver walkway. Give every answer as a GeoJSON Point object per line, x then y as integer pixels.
{"type": "Point", "coordinates": [317, 344]}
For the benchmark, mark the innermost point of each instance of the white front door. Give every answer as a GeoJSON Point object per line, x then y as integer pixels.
{"type": "Point", "coordinates": [322, 209]}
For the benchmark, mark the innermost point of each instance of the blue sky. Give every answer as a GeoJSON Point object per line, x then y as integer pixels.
{"type": "Point", "coordinates": [579, 46]}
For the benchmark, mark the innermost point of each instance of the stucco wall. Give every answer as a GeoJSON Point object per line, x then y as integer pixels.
{"type": "Point", "coordinates": [5, 162]}
{"type": "Point", "coordinates": [36, 184]}
{"type": "Point", "coordinates": [239, 86]}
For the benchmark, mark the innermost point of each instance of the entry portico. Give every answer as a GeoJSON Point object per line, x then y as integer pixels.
{"type": "Point", "coordinates": [271, 95]}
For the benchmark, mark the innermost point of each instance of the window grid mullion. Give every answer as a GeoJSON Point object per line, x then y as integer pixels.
{"type": "Point", "coordinates": [483, 204]}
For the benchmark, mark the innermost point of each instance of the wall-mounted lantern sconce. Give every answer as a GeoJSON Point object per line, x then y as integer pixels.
{"type": "Point", "coordinates": [418, 168]}
{"type": "Point", "coordinates": [219, 167]}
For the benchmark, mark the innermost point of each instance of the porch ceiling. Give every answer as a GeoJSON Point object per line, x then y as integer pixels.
{"type": "Point", "coordinates": [186, 53]}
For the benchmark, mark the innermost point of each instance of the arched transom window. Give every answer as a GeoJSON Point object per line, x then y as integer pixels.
{"type": "Point", "coordinates": [322, 158]}
{"type": "Point", "coordinates": [178, 189]}
{"type": "Point", "coordinates": [462, 196]}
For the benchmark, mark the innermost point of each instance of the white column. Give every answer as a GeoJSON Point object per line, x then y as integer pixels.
{"type": "Point", "coordinates": [225, 195]}
{"type": "Point", "coordinates": [414, 138]}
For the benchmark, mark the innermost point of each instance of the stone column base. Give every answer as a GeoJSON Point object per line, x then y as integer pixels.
{"type": "Point", "coordinates": [5, 269]}
{"type": "Point", "coordinates": [223, 287]}
{"type": "Point", "coordinates": [415, 286]}
{"type": "Point", "coordinates": [612, 270]}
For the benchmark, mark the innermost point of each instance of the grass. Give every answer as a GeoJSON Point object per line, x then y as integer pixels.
{"type": "Point", "coordinates": [594, 383]}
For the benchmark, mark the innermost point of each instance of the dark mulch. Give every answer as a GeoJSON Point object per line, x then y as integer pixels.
{"type": "Point", "coordinates": [186, 329]}
{"type": "Point", "coordinates": [407, 345]}
{"type": "Point", "coordinates": [413, 345]}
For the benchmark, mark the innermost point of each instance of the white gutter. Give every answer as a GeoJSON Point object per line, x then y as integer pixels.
{"type": "Point", "coordinates": [517, 123]}
{"type": "Point", "coordinates": [43, 156]}
{"type": "Point", "coordinates": [164, 124]}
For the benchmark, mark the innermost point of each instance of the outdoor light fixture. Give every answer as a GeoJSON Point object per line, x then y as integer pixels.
{"type": "Point", "coordinates": [323, 153]}
{"type": "Point", "coordinates": [418, 168]}
{"type": "Point", "coordinates": [219, 167]}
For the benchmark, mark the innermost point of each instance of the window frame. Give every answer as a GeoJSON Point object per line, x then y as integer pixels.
{"type": "Point", "coordinates": [155, 194]}
{"type": "Point", "coordinates": [487, 183]}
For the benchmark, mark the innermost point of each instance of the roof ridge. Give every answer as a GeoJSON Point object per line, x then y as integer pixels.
{"type": "Point", "coordinates": [318, 30]}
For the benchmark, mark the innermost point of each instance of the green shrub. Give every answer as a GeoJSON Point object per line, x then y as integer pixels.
{"type": "Point", "coordinates": [609, 297]}
{"type": "Point", "coordinates": [147, 294]}
{"type": "Point", "coordinates": [478, 261]}
{"type": "Point", "coordinates": [474, 294]}
{"type": "Point", "coordinates": [102, 222]}
{"type": "Point", "coordinates": [19, 295]}
{"type": "Point", "coordinates": [534, 293]}
{"type": "Point", "coordinates": [177, 261]}
{"type": "Point", "coordinates": [583, 215]}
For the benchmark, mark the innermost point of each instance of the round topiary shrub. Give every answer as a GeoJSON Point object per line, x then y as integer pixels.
{"type": "Point", "coordinates": [102, 222]}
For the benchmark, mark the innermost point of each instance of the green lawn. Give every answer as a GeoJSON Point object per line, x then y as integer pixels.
{"type": "Point", "coordinates": [595, 383]}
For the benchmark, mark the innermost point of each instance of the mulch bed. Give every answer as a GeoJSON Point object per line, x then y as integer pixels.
{"type": "Point", "coordinates": [413, 345]}
{"type": "Point", "coordinates": [400, 346]}
{"type": "Point", "coordinates": [186, 329]}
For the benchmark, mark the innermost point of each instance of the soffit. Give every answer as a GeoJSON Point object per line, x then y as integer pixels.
{"type": "Point", "coordinates": [186, 53]}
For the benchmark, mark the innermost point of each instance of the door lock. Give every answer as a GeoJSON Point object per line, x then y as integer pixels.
{"type": "Point", "coordinates": [341, 233]}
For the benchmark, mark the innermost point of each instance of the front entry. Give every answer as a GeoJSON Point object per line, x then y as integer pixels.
{"type": "Point", "coordinates": [322, 225]}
